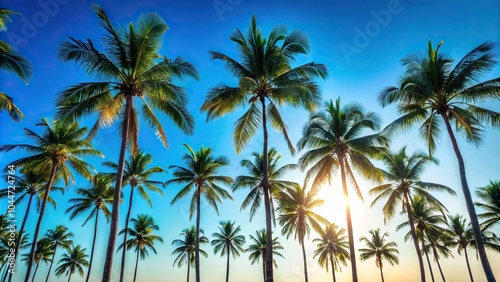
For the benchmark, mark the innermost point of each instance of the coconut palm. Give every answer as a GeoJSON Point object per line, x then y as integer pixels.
{"type": "Point", "coordinates": [43, 253]}
{"type": "Point", "coordinates": [266, 80]}
{"type": "Point", "coordinates": [297, 216]}
{"type": "Point", "coordinates": [334, 137]}
{"type": "Point", "coordinates": [12, 61]}
{"type": "Point", "coordinates": [130, 68]}
{"type": "Point", "coordinates": [202, 174]}
{"type": "Point", "coordinates": [185, 250]}
{"type": "Point", "coordinates": [136, 173]}
{"type": "Point", "coordinates": [94, 199]}
{"type": "Point", "coordinates": [460, 235]}
{"type": "Point", "coordinates": [432, 92]}
{"type": "Point", "coordinates": [376, 246]}
{"type": "Point", "coordinates": [5, 250]}
{"type": "Point", "coordinates": [402, 176]}
{"type": "Point", "coordinates": [74, 260]}
{"type": "Point", "coordinates": [332, 248]}
{"type": "Point", "coordinates": [436, 243]}
{"type": "Point", "coordinates": [58, 237]}
{"type": "Point", "coordinates": [57, 149]}
{"type": "Point", "coordinates": [258, 250]}
{"type": "Point", "coordinates": [490, 195]}
{"type": "Point", "coordinates": [253, 181]}
{"type": "Point", "coordinates": [228, 242]}
{"type": "Point", "coordinates": [142, 237]}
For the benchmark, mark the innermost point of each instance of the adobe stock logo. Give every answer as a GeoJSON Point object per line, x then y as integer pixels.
{"type": "Point", "coordinates": [363, 36]}
{"type": "Point", "coordinates": [39, 19]}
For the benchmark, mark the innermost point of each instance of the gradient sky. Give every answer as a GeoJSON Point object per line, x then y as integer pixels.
{"type": "Point", "coordinates": [358, 70]}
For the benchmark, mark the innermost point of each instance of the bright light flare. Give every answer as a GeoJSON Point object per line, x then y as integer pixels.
{"type": "Point", "coordinates": [334, 208]}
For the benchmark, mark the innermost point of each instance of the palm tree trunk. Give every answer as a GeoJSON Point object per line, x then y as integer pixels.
{"type": "Point", "coordinates": [227, 268]}
{"type": "Point", "coordinates": [51, 263]}
{"type": "Point", "coordinates": [470, 204]}
{"type": "Point", "coordinates": [110, 251]}
{"type": "Point", "coordinates": [306, 278]}
{"type": "Point", "coordinates": [69, 278]}
{"type": "Point", "coordinates": [427, 258]}
{"type": "Point", "coordinates": [414, 237]}
{"type": "Point", "coordinates": [4, 275]}
{"type": "Point", "coordinates": [40, 217]}
{"type": "Point", "coordinates": [333, 269]}
{"type": "Point", "coordinates": [136, 264]}
{"type": "Point", "coordinates": [124, 252]}
{"type": "Point", "coordinates": [197, 243]}
{"type": "Point", "coordinates": [440, 270]}
{"type": "Point", "coordinates": [381, 273]}
{"type": "Point", "coordinates": [93, 245]}
{"type": "Point", "coordinates": [34, 273]}
{"type": "Point", "coordinates": [189, 266]}
{"type": "Point", "coordinates": [468, 265]}
{"type": "Point", "coordinates": [264, 263]}
{"type": "Point", "coordinates": [269, 277]}
{"type": "Point", "coordinates": [352, 251]}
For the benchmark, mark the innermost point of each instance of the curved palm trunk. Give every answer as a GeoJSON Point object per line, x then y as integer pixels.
{"type": "Point", "coordinates": [34, 273]}
{"type": "Point", "coordinates": [110, 251]}
{"type": "Point", "coordinates": [437, 261]}
{"type": "Point", "coordinates": [381, 273]}
{"type": "Point", "coordinates": [349, 221]}
{"type": "Point", "coordinates": [414, 237]}
{"type": "Point", "coordinates": [468, 265]}
{"type": "Point", "coordinates": [93, 245]}
{"type": "Point", "coordinates": [69, 278]}
{"type": "Point", "coordinates": [197, 244]}
{"type": "Point", "coordinates": [189, 266]}
{"type": "Point", "coordinates": [136, 264]}
{"type": "Point", "coordinates": [428, 260]}
{"type": "Point", "coordinates": [306, 278]}
{"type": "Point", "coordinates": [333, 269]}
{"type": "Point", "coordinates": [40, 217]}
{"type": "Point", "coordinates": [51, 263]}
{"type": "Point", "coordinates": [470, 204]}
{"type": "Point", "coordinates": [269, 277]}
{"type": "Point", "coordinates": [227, 268]}
{"type": "Point", "coordinates": [124, 252]}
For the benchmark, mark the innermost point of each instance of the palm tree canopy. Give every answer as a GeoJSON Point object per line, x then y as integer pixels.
{"type": "Point", "coordinates": [332, 244]}
{"type": "Point", "coordinates": [265, 73]}
{"type": "Point", "coordinates": [43, 252]}
{"type": "Point", "coordinates": [142, 237]}
{"type": "Point", "coordinates": [490, 196]}
{"type": "Point", "coordinates": [258, 248]}
{"type": "Point", "coordinates": [72, 261]}
{"type": "Point", "coordinates": [376, 246]}
{"type": "Point", "coordinates": [227, 241]}
{"type": "Point", "coordinates": [60, 237]}
{"type": "Point", "coordinates": [185, 250]}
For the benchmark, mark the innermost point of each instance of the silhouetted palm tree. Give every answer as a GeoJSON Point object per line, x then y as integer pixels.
{"type": "Point", "coordinates": [436, 243]}
{"type": "Point", "coordinates": [59, 236]}
{"type": "Point", "coordinates": [43, 253]}
{"type": "Point", "coordinates": [377, 247]}
{"type": "Point", "coordinates": [460, 236]}
{"type": "Point", "coordinates": [185, 250]}
{"type": "Point", "coordinates": [258, 250]}
{"type": "Point", "coordinates": [228, 242]}
{"type": "Point", "coordinates": [332, 248]}
{"type": "Point", "coordinates": [72, 261]}
{"type": "Point", "coordinates": [490, 195]}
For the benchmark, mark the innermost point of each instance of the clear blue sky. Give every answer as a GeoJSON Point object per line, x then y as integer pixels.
{"type": "Point", "coordinates": [361, 42]}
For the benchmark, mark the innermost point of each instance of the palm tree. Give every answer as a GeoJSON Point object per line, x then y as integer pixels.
{"type": "Point", "coordinates": [73, 261]}
{"type": "Point", "coordinates": [137, 174]}
{"type": "Point", "coordinates": [202, 174]}
{"type": "Point", "coordinates": [130, 67]}
{"type": "Point", "coordinates": [58, 237]}
{"type": "Point", "coordinates": [334, 137]}
{"type": "Point", "coordinates": [403, 181]}
{"type": "Point", "coordinates": [258, 250]}
{"type": "Point", "coordinates": [12, 61]}
{"type": "Point", "coordinates": [431, 88]}
{"type": "Point", "coordinates": [5, 250]}
{"type": "Point", "coordinates": [43, 253]}
{"type": "Point", "coordinates": [228, 242]}
{"type": "Point", "coordinates": [332, 247]}
{"type": "Point", "coordinates": [296, 217]}
{"type": "Point", "coordinates": [376, 246]}
{"type": "Point", "coordinates": [436, 243]}
{"type": "Point", "coordinates": [266, 79]}
{"type": "Point", "coordinates": [185, 250]}
{"type": "Point", "coordinates": [490, 195]}
{"type": "Point", "coordinates": [142, 237]}
{"type": "Point", "coordinates": [94, 199]}
{"type": "Point", "coordinates": [59, 148]}
{"type": "Point", "coordinates": [460, 235]}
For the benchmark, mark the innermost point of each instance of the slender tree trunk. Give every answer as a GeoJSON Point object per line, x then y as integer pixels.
{"type": "Point", "coordinates": [414, 237]}
{"type": "Point", "coordinates": [51, 263]}
{"type": "Point", "coordinates": [34, 273]}
{"type": "Point", "coordinates": [352, 251]}
{"type": "Point", "coordinates": [69, 278]}
{"type": "Point", "coordinates": [306, 278]}
{"type": "Point", "coordinates": [124, 252]}
{"type": "Point", "coordinates": [227, 268]}
{"type": "Point", "coordinates": [40, 217]}
{"type": "Point", "coordinates": [470, 204]}
{"type": "Point", "coordinates": [468, 265]}
{"type": "Point", "coordinates": [381, 273]}
{"type": "Point", "coordinates": [189, 266]}
{"type": "Point", "coordinates": [264, 263]}
{"type": "Point", "coordinates": [427, 258]}
{"type": "Point", "coordinates": [110, 251]}
{"type": "Point", "coordinates": [197, 244]}
{"type": "Point", "coordinates": [440, 270]}
{"type": "Point", "coordinates": [136, 264]}
{"type": "Point", "coordinates": [333, 268]}
{"type": "Point", "coordinates": [93, 245]}
{"type": "Point", "coordinates": [21, 230]}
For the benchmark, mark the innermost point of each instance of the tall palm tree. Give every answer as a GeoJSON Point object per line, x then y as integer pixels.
{"type": "Point", "coordinates": [432, 92]}
{"type": "Point", "coordinates": [460, 236]}
{"type": "Point", "coordinates": [185, 250]}
{"type": "Point", "coordinates": [297, 216]}
{"type": "Point", "coordinates": [136, 173]}
{"type": "Point", "coordinates": [402, 176]}
{"type": "Point", "coordinates": [332, 248]}
{"type": "Point", "coordinates": [253, 181]}
{"type": "Point", "coordinates": [202, 174]}
{"type": "Point", "coordinates": [5, 250]}
{"type": "Point", "coordinates": [228, 242]}
{"type": "Point", "coordinates": [142, 237]}
{"type": "Point", "coordinates": [436, 243]}
{"type": "Point", "coordinates": [266, 80]}
{"type": "Point", "coordinates": [58, 237]}
{"type": "Point", "coordinates": [73, 261]}
{"type": "Point", "coordinates": [96, 198]}
{"type": "Point", "coordinates": [12, 61]}
{"type": "Point", "coordinates": [59, 148]}
{"type": "Point", "coordinates": [490, 195]}
{"type": "Point", "coordinates": [376, 246]}
{"type": "Point", "coordinates": [43, 253]}
{"type": "Point", "coordinates": [130, 67]}
{"type": "Point", "coordinates": [258, 250]}
{"type": "Point", "coordinates": [336, 142]}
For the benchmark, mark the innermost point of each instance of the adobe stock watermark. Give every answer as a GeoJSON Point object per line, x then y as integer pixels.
{"type": "Point", "coordinates": [39, 19]}
{"type": "Point", "coordinates": [364, 35]}
{"type": "Point", "coordinates": [223, 6]}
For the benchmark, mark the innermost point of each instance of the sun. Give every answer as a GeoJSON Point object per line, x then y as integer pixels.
{"type": "Point", "coordinates": [334, 208]}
